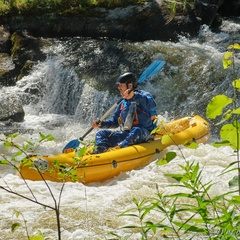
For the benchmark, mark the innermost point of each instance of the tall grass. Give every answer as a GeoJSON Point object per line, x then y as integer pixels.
{"type": "Point", "coordinates": [39, 7]}
{"type": "Point", "coordinates": [33, 7]}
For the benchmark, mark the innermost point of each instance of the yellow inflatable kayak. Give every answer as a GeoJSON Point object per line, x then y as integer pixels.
{"type": "Point", "coordinates": [98, 167]}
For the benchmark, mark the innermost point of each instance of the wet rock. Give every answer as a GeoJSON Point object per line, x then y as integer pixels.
{"type": "Point", "coordinates": [5, 42]}
{"type": "Point", "coordinates": [25, 50]}
{"type": "Point", "coordinates": [11, 109]}
{"type": "Point", "coordinates": [24, 53]}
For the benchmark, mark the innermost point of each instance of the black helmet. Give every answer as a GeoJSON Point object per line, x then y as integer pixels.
{"type": "Point", "coordinates": [128, 78]}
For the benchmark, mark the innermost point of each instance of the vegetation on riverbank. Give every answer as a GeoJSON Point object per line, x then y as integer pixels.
{"type": "Point", "coordinates": [63, 7]}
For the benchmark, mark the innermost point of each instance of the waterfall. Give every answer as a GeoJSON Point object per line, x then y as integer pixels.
{"type": "Point", "coordinates": [78, 77]}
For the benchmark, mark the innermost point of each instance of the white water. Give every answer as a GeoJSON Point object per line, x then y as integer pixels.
{"type": "Point", "coordinates": [91, 211]}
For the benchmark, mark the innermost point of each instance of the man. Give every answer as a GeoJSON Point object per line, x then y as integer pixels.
{"type": "Point", "coordinates": [134, 115]}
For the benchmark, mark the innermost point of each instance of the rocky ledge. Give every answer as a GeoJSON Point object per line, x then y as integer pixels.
{"type": "Point", "coordinates": [153, 20]}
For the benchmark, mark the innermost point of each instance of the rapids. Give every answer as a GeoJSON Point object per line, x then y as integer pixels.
{"type": "Point", "coordinates": [68, 102]}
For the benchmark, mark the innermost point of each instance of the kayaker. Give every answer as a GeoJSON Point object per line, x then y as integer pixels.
{"type": "Point", "coordinates": [135, 116]}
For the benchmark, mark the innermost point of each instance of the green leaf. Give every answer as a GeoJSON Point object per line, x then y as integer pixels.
{"type": "Point", "coordinates": [12, 136]}
{"type": "Point", "coordinates": [177, 177]}
{"type": "Point", "coordinates": [8, 144]}
{"type": "Point", "coordinates": [3, 161]}
{"type": "Point", "coordinates": [220, 144]}
{"type": "Point", "coordinates": [236, 111]}
{"type": "Point", "coordinates": [165, 138]}
{"type": "Point", "coordinates": [236, 199]}
{"type": "Point", "coordinates": [158, 128]}
{"type": "Point", "coordinates": [229, 132]}
{"type": "Point", "coordinates": [226, 116]}
{"type": "Point", "coordinates": [234, 46]}
{"type": "Point", "coordinates": [234, 182]}
{"type": "Point", "coordinates": [215, 107]}
{"type": "Point", "coordinates": [190, 228]}
{"type": "Point", "coordinates": [195, 172]}
{"type": "Point", "coordinates": [236, 84]}
{"type": "Point", "coordinates": [17, 213]}
{"type": "Point", "coordinates": [166, 159]}
{"type": "Point", "coordinates": [36, 237]}
{"type": "Point", "coordinates": [15, 226]}
{"type": "Point", "coordinates": [17, 154]}
{"type": "Point", "coordinates": [48, 137]}
{"type": "Point", "coordinates": [226, 63]}
{"type": "Point", "coordinates": [192, 145]}
{"type": "Point", "coordinates": [184, 195]}
{"type": "Point", "coordinates": [172, 212]}
{"type": "Point", "coordinates": [81, 151]}
{"type": "Point", "coordinates": [30, 143]}
{"type": "Point", "coordinates": [228, 54]}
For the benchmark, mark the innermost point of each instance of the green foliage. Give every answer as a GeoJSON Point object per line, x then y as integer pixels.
{"type": "Point", "coordinates": [229, 109]}
{"type": "Point", "coordinates": [62, 7]}
{"type": "Point", "coordinates": [25, 153]}
{"type": "Point", "coordinates": [4, 7]}
{"type": "Point", "coordinates": [39, 7]}
{"type": "Point", "coordinates": [178, 5]}
{"type": "Point", "coordinates": [190, 212]}
{"type": "Point", "coordinates": [37, 237]}
{"type": "Point", "coordinates": [216, 106]}
{"type": "Point", "coordinates": [166, 159]}
{"type": "Point", "coordinates": [222, 105]}
{"type": "Point", "coordinates": [230, 133]}
{"type": "Point", "coordinates": [16, 225]}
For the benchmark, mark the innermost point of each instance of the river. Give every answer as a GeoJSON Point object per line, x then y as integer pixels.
{"type": "Point", "coordinates": [67, 103]}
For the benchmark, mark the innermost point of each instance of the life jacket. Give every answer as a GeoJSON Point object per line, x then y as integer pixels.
{"type": "Point", "coordinates": [145, 113]}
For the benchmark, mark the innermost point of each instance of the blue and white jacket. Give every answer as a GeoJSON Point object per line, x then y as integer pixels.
{"type": "Point", "coordinates": [144, 116]}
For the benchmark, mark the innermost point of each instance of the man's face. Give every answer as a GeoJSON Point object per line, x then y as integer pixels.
{"type": "Point", "coordinates": [122, 87]}
{"type": "Point", "coordinates": [126, 90]}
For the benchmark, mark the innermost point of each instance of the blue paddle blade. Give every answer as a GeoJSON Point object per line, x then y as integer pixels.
{"type": "Point", "coordinates": [153, 68]}
{"type": "Point", "coordinates": [71, 145]}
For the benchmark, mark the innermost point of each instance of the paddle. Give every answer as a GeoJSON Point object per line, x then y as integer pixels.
{"type": "Point", "coordinates": [152, 69]}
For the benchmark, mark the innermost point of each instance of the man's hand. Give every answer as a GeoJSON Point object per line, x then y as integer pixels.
{"type": "Point", "coordinates": [96, 123]}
